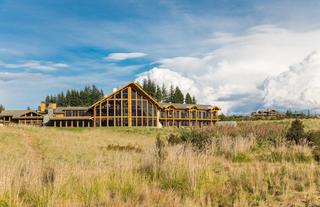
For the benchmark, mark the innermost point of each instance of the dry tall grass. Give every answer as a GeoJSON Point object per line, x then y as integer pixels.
{"type": "Point", "coordinates": [118, 167]}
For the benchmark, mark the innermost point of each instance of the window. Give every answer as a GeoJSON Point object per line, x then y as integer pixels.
{"type": "Point", "coordinates": [118, 108]}
{"type": "Point", "coordinates": [125, 108]}
{"type": "Point", "coordinates": [118, 95]}
{"type": "Point", "coordinates": [145, 108]}
{"type": "Point", "coordinates": [125, 93]}
{"type": "Point", "coordinates": [149, 109]}
{"type": "Point", "coordinates": [111, 107]}
{"type": "Point", "coordinates": [134, 108]}
{"type": "Point", "coordinates": [139, 108]}
{"type": "Point", "coordinates": [133, 94]}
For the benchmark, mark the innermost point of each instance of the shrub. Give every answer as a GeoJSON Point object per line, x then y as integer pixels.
{"type": "Point", "coordinates": [199, 139]}
{"type": "Point", "coordinates": [125, 148]}
{"type": "Point", "coordinates": [296, 132]}
{"type": "Point", "coordinates": [48, 176]}
{"type": "Point", "coordinates": [160, 151]}
{"type": "Point", "coordinates": [241, 157]}
{"type": "Point", "coordinates": [174, 139]}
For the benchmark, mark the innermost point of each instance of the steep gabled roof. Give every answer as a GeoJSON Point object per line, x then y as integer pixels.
{"type": "Point", "coordinates": [132, 84]}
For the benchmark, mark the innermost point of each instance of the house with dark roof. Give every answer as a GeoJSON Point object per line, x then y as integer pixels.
{"type": "Point", "coordinates": [129, 106]}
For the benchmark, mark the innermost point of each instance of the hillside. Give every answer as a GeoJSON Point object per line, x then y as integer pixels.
{"type": "Point", "coordinates": [245, 166]}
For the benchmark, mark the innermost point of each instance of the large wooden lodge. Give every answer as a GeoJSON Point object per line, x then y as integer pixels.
{"type": "Point", "coordinates": [129, 106]}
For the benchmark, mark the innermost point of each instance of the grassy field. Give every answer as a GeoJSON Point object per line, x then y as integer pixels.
{"type": "Point", "coordinates": [249, 165]}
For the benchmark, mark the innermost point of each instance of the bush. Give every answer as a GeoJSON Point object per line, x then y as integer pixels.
{"type": "Point", "coordinates": [174, 139]}
{"type": "Point", "coordinates": [199, 139]}
{"type": "Point", "coordinates": [296, 132]}
{"type": "Point", "coordinates": [241, 157]}
{"type": "Point", "coordinates": [160, 151]}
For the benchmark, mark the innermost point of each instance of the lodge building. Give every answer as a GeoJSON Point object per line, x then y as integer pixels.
{"type": "Point", "coordinates": [129, 106]}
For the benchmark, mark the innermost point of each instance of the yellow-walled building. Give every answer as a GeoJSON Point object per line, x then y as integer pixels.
{"type": "Point", "coordinates": [129, 106]}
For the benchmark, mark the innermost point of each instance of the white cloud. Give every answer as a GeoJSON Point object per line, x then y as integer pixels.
{"type": "Point", "coordinates": [124, 56]}
{"type": "Point", "coordinates": [297, 88]}
{"type": "Point", "coordinates": [232, 76]}
{"type": "Point", "coordinates": [35, 65]}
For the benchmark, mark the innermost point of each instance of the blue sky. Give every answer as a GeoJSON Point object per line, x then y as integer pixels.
{"type": "Point", "coordinates": [49, 46]}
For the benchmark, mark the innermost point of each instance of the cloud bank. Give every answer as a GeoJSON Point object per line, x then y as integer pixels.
{"type": "Point", "coordinates": [297, 88]}
{"type": "Point", "coordinates": [238, 75]}
{"type": "Point", "coordinates": [35, 65]}
{"type": "Point", "coordinates": [124, 56]}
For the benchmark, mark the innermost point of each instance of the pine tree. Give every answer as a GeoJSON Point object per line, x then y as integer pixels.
{"type": "Point", "coordinates": [171, 94]}
{"type": "Point", "coordinates": [1, 108]}
{"type": "Point", "coordinates": [145, 85]}
{"type": "Point", "coordinates": [296, 132]}
{"type": "Point", "coordinates": [194, 101]}
{"type": "Point", "coordinates": [188, 99]}
{"type": "Point", "coordinates": [47, 99]}
{"type": "Point", "coordinates": [158, 94]}
{"type": "Point", "coordinates": [164, 94]}
{"type": "Point", "coordinates": [178, 96]}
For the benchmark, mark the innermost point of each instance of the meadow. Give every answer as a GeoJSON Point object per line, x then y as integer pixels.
{"type": "Point", "coordinates": [247, 165]}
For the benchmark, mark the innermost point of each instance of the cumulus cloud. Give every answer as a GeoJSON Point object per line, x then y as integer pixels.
{"type": "Point", "coordinates": [124, 56]}
{"type": "Point", "coordinates": [297, 88]}
{"type": "Point", "coordinates": [233, 75]}
{"type": "Point", "coordinates": [35, 65]}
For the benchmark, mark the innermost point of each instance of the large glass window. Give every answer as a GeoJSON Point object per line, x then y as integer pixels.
{"type": "Point", "coordinates": [117, 110]}
{"type": "Point", "coordinates": [125, 93]}
{"type": "Point", "coordinates": [133, 94]}
{"type": "Point", "coordinates": [134, 108]}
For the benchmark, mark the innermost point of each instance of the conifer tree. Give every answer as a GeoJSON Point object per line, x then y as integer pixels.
{"type": "Point", "coordinates": [164, 94]}
{"type": "Point", "coordinates": [178, 96]}
{"type": "Point", "coordinates": [158, 94]}
{"type": "Point", "coordinates": [188, 99]}
{"type": "Point", "coordinates": [194, 101]}
{"type": "Point", "coordinates": [171, 94]}
{"type": "Point", "coordinates": [1, 108]}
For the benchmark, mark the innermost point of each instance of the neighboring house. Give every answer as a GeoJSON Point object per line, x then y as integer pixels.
{"type": "Point", "coordinates": [267, 113]}
{"type": "Point", "coordinates": [129, 106]}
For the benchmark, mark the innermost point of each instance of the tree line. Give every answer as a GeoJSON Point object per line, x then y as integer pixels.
{"type": "Point", "coordinates": [162, 94]}
{"type": "Point", "coordinates": [84, 97]}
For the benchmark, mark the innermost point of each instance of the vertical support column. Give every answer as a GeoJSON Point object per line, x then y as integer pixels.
{"type": "Point", "coordinates": [94, 115]}
{"type": "Point", "coordinates": [71, 123]}
{"type": "Point", "coordinates": [152, 115]}
{"type": "Point", "coordinates": [100, 118]}
{"type": "Point", "coordinates": [197, 113]}
{"type": "Point", "coordinates": [89, 125]}
{"type": "Point", "coordinates": [173, 117]}
{"type": "Point", "coordinates": [55, 123]}
{"type": "Point", "coordinates": [129, 107]}
{"type": "Point", "coordinates": [107, 112]}
{"type": "Point", "coordinates": [83, 123]}
{"type": "Point", "coordinates": [142, 110]}
{"type": "Point", "coordinates": [77, 123]}
{"type": "Point", "coordinates": [136, 108]}
{"type": "Point", "coordinates": [121, 108]}
{"type": "Point", "coordinates": [166, 115]}
{"type": "Point", "coordinates": [147, 112]}
{"type": "Point", "coordinates": [158, 117]}
{"type": "Point", "coordinates": [114, 111]}
{"type": "Point", "coordinates": [60, 122]}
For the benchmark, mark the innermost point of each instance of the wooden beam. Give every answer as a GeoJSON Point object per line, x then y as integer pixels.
{"type": "Point", "coordinates": [129, 107]}
{"type": "Point", "coordinates": [94, 115]}
{"type": "Point", "coordinates": [100, 121]}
